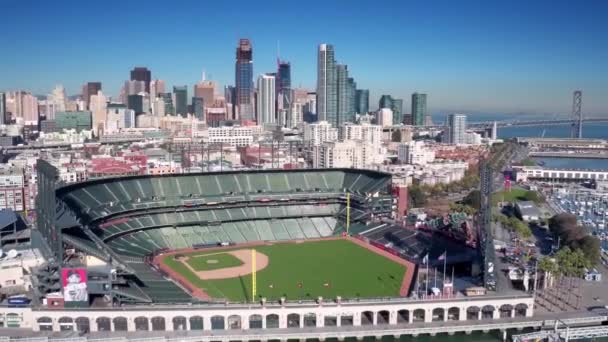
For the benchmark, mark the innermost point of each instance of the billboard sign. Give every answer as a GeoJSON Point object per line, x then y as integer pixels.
{"type": "Point", "coordinates": [74, 281]}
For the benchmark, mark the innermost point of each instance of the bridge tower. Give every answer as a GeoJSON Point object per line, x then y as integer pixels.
{"type": "Point", "coordinates": [577, 116]}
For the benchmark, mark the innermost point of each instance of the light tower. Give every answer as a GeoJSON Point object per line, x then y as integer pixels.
{"type": "Point", "coordinates": [577, 115]}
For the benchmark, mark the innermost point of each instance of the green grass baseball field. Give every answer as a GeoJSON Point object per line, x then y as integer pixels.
{"type": "Point", "coordinates": [305, 270]}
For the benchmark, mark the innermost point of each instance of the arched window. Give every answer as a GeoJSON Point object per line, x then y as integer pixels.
{"type": "Point", "coordinates": [196, 323]}
{"type": "Point", "coordinates": [120, 324]}
{"type": "Point", "coordinates": [66, 324]}
{"type": "Point", "coordinates": [419, 315]}
{"type": "Point", "coordinates": [505, 310]}
{"type": "Point", "coordinates": [45, 323]}
{"type": "Point", "coordinates": [293, 321]}
{"type": "Point", "coordinates": [179, 323]}
{"type": "Point", "coordinates": [403, 316]}
{"type": "Point", "coordinates": [473, 313]}
{"type": "Point", "coordinates": [255, 321]}
{"type": "Point", "coordinates": [487, 312]}
{"type": "Point", "coordinates": [234, 322]}
{"type": "Point", "coordinates": [158, 323]}
{"type": "Point", "coordinates": [141, 323]}
{"type": "Point", "coordinates": [82, 324]}
{"type": "Point", "coordinates": [217, 323]}
{"type": "Point", "coordinates": [453, 314]}
{"type": "Point", "coordinates": [367, 318]}
{"type": "Point", "coordinates": [383, 317]}
{"type": "Point", "coordinates": [438, 314]}
{"type": "Point", "coordinates": [272, 321]}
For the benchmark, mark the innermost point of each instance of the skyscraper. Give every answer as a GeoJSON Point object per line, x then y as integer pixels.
{"type": "Point", "coordinates": [198, 107]}
{"type": "Point", "coordinates": [283, 85]}
{"type": "Point", "coordinates": [418, 109]}
{"type": "Point", "coordinates": [244, 80]}
{"type": "Point", "coordinates": [156, 87]}
{"type": "Point", "coordinates": [90, 88]}
{"type": "Point", "coordinates": [2, 108]}
{"type": "Point", "coordinates": [266, 99]}
{"type": "Point", "coordinates": [98, 107]}
{"type": "Point", "coordinates": [456, 128]}
{"type": "Point", "coordinates": [181, 100]}
{"type": "Point", "coordinates": [362, 101]}
{"type": "Point", "coordinates": [142, 74]}
{"type": "Point", "coordinates": [351, 98]}
{"type": "Point", "coordinates": [168, 101]}
{"type": "Point", "coordinates": [206, 91]}
{"type": "Point", "coordinates": [343, 106]}
{"type": "Point", "coordinates": [327, 93]}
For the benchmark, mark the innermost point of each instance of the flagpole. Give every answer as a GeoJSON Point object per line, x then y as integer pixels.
{"type": "Point", "coordinates": [427, 277]}
{"type": "Point", "coordinates": [435, 277]}
{"type": "Point", "coordinates": [445, 260]}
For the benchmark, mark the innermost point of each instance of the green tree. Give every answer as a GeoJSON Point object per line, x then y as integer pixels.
{"type": "Point", "coordinates": [417, 196]}
{"type": "Point", "coordinates": [473, 199]}
{"type": "Point", "coordinates": [591, 247]}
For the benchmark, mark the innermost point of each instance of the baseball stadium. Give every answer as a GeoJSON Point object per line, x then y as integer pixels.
{"type": "Point", "coordinates": [233, 251]}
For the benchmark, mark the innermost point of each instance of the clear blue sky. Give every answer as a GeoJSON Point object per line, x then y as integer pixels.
{"type": "Point", "coordinates": [488, 56]}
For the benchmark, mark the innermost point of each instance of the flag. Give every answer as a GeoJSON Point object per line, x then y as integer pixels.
{"type": "Point", "coordinates": [425, 260]}
{"type": "Point", "coordinates": [442, 256]}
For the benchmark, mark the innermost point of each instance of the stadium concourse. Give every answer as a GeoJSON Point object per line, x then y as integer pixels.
{"type": "Point", "coordinates": [122, 222]}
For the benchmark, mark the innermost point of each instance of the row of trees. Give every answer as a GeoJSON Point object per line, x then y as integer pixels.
{"type": "Point", "coordinates": [420, 193]}
{"type": "Point", "coordinates": [567, 262]}
{"type": "Point", "coordinates": [513, 224]}
{"type": "Point", "coordinates": [575, 236]}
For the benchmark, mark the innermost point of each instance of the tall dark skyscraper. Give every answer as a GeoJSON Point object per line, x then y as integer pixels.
{"type": "Point", "coordinates": [2, 108]}
{"type": "Point", "coordinates": [418, 109]}
{"type": "Point", "coordinates": [244, 80]}
{"type": "Point", "coordinates": [142, 74]}
{"type": "Point", "coordinates": [342, 82]}
{"type": "Point", "coordinates": [90, 88]}
{"type": "Point", "coordinates": [181, 100]}
{"type": "Point", "coordinates": [327, 87]}
{"type": "Point", "coordinates": [168, 99]}
{"type": "Point", "coordinates": [362, 101]}
{"type": "Point", "coordinates": [198, 107]}
{"type": "Point", "coordinates": [283, 86]}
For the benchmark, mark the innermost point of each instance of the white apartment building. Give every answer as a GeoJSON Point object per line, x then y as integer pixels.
{"type": "Point", "coordinates": [384, 117]}
{"type": "Point", "coordinates": [371, 134]}
{"type": "Point", "coordinates": [319, 132]}
{"type": "Point", "coordinates": [234, 135]}
{"type": "Point", "coordinates": [343, 154]}
{"type": "Point", "coordinates": [266, 100]}
{"type": "Point", "coordinates": [415, 152]}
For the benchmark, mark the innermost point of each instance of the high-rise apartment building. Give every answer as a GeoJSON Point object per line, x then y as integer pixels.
{"type": "Point", "coordinates": [156, 87]}
{"type": "Point", "coordinates": [418, 109]}
{"type": "Point", "coordinates": [327, 92]}
{"type": "Point", "coordinates": [266, 100]}
{"type": "Point", "coordinates": [98, 107]}
{"type": "Point", "coordinates": [142, 74]}
{"type": "Point", "coordinates": [88, 89]}
{"type": "Point", "coordinates": [319, 132]}
{"type": "Point", "coordinates": [362, 101]}
{"type": "Point", "coordinates": [181, 100]}
{"type": "Point", "coordinates": [206, 91]}
{"type": "Point", "coordinates": [244, 80]}
{"type": "Point", "coordinates": [456, 128]}
{"type": "Point", "coordinates": [134, 87]}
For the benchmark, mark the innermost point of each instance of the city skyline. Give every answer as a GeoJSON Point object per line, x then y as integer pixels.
{"type": "Point", "coordinates": [464, 61]}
